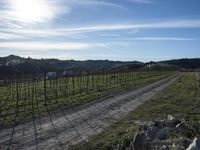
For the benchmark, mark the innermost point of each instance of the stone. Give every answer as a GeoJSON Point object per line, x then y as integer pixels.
{"type": "Point", "coordinates": [160, 124]}
{"type": "Point", "coordinates": [195, 145]}
{"type": "Point", "coordinates": [164, 147]}
{"type": "Point", "coordinates": [140, 142]}
{"type": "Point", "coordinates": [184, 142]}
{"type": "Point", "coordinates": [151, 132]}
{"type": "Point", "coordinates": [170, 117]}
{"type": "Point", "coordinates": [173, 122]}
{"type": "Point", "coordinates": [162, 134]}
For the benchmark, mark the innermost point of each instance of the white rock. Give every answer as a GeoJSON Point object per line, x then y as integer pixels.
{"type": "Point", "coordinates": [195, 145]}
{"type": "Point", "coordinates": [164, 147]}
{"type": "Point", "coordinates": [170, 117]}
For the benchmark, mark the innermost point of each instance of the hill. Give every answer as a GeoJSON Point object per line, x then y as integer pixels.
{"type": "Point", "coordinates": [13, 64]}
{"type": "Point", "coordinates": [16, 64]}
{"type": "Point", "coordinates": [184, 63]}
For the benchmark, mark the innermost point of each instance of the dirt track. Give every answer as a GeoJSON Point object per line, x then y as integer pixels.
{"type": "Point", "coordinates": [66, 127]}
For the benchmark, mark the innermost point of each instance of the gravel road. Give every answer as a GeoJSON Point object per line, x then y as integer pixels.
{"type": "Point", "coordinates": [63, 128]}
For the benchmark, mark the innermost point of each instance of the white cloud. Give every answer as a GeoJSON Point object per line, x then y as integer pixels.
{"type": "Point", "coordinates": [45, 45]}
{"type": "Point", "coordinates": [162, 39]}
{"type": "Point", "coordinates": [110, 35]}
{"type": "Point", "coordinates": [116, 27]}
{"type": "Point", "coordinates": [37, 46]}
{"type": "Point", "coordinates": [7, 36]}
{"type": "Point", "coordinates": [113, 27]}
{"type": "Point", "coordinates": [141, 1]}
{"type": "Point", "coordinates": [78, 31]}
{"type": "Point", "coordinates": [95, 2]}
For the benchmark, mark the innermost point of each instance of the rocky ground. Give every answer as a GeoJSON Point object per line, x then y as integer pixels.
{"type": "Point", "coordinates": [171, 133]}
{"type": "Point", "coordinates": [63, 128]}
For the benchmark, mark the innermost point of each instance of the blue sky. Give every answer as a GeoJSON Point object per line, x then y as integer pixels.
{"type": "Point", "coordinates": [125, 30]}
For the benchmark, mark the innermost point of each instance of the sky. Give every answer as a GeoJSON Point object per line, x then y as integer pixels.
{"type": "Point", "coordinates": [127, 30]}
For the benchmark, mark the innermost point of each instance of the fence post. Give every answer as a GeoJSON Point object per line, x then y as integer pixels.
{"type": "Point", "coordinates": [45, 90]}
{"type": "Point", "coordinates": [17, 103]}
{"type": "Point", "coordinates": [65, 86]}
{"type": "Point", "coordinates": [73, 84]}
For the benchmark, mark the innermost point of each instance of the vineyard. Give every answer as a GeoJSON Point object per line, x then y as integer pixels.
{"type": "Point", "coordinates": [24, 97]}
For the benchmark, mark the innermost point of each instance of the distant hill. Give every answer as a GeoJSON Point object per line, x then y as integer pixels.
{"type": "Point", "coordinates": [16, 64]}
{"type": "Point", "coordinates": [184, 63]}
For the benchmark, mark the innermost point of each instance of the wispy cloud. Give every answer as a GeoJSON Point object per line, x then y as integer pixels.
{"type": "Point", "coordinates": [162, 39]}
{"type": "Point", "coordinates": [7, 36]}
{"type": "Point", "coordinates": [67, 32]}
{"type": "Point", "coordinates": [45, 45]}
{"type": "Point", "coordinates": [94, 2]}
{"type": "Point", "coordinates": [112, 27]}
{"type": "Point", "coordinates": [141, 1]}
{"type": "Point", "coordinates": [110, 35]}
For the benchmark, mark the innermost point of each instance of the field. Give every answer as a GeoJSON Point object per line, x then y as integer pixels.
{"type": "Point", "coordinates": [25, 97]}
{"type": "Point", "coordinates": [181, 99]}
{"type": "Point", "coordinates": [59, 126]}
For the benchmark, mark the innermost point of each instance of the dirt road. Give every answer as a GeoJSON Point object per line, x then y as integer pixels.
{"type": "Point", "coordinates": [65, 127]}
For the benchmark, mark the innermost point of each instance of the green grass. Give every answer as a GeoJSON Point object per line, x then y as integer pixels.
{"type": "Point", "coordinates": [180, 99]}
{"type": "Point", "coordinates": [65, 92]}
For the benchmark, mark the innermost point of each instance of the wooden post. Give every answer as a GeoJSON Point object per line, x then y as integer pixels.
{"type": "Point", "coordinates": [17, 84]}
{"type": "Point", "coordinates": [45, 90]}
